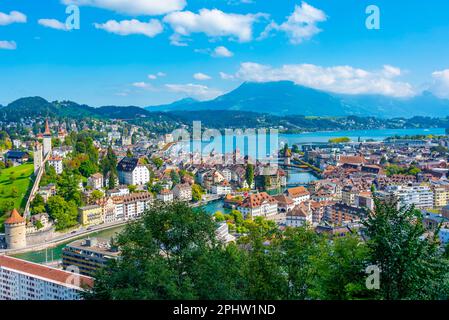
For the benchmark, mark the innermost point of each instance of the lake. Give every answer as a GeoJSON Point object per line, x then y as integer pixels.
{"type": "Point", "coordinates": [261, 146]}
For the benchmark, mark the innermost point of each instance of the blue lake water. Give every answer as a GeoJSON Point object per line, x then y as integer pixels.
{"type": "Point", "coordinates": [262, 145]}
{"type": "Point", "coordinates": [354, 135]}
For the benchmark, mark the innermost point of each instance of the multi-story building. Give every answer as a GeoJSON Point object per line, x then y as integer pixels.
{"type": "Point", "coordinates": [91, 215]}
{"type": "Point", "coordinates": [88, 255]}
{"type": "Point", "coordinates": [135, 204]}
{"type": "Point", "coordinates": [165, 195]}
{"type": "Point", "coordinates": [300, 216]}
{"type": "Point", "coordinates": [342, 214]}
{"type": "Point", "coordinates": [183, 192]}
{"type": "Point", "coordinates": [23, 280]}
{"type": "Point", "coordinates": [419, 196]}
{"type": "Point", "coordinates": [222, 188]}
{"type": "Point", "coordinates": [56, 162]}
{"type": "Point", "coordinates": [260, 204]}
{"type": "Point", "coordinates": [95, 181]}
{"type": "Point", "coordinates": [440, 195]}
{"type": "Point", "coordinates": [298, 195]}
{"type": "Point", "coordinates": [130, 172]}
{"type": "Point", "coordinates": [348, 195]}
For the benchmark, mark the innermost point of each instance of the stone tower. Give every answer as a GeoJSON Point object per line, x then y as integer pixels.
{"type": "Point", "coordinates": [38, 157]}
{"type": "Point", "coordinates": [47, 139]}
{"type": "Point", "coordinates": [15, 231]}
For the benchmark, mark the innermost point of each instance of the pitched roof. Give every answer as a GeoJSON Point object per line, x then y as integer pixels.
{"type": "Point", "coordinates": [283, 199]}
{"type": "Point", "coordinates": [127, 164]}
{"type": "Point", "coordinates": [52, 274]}
{"type": "Point", "coordinates": [297, 192]}
{"type": "Point", "coordinates": [256, 200]}
{"type": "Point", "coordinates": [15, 217]}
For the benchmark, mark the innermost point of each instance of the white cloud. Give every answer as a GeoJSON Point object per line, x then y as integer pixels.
{"type": "Point", "coordinates": [8, 45]}
{"type": "Point", "coordinates": [12, 17]}
{"type": "Point", "coordinates": [201, 76]}
{"type": "Point", "coordinates": [127, 27]}
{"type": "Point", "coordinates": [133, 7]}
{"type": "Point", "coordinates": [197, 91]}
{"type": "Point", "coordinates": [53, 23]}
{"type": "Point", "coordinates": [440, 85]}
{"type": "Point", "coordinates": [222, 51]}
{"type": "Point", "coordinates": [226, 76]}
{"type": "Point", "coordinates": [214, 23]}
{"type": "Point", "coordinates": [140, 85]}
{"type": "Point", "coordinates": [301, 25]}
{"type": "Point", "coordinates": [338, 79]}
{"type": "Point", "coordinates": [155, 76]}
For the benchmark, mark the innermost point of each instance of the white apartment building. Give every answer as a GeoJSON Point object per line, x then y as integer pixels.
{"type": "Point", "coordinates": [221, 189]}
{"type": "Point", "coordinates": [23, 280]}
{"type": "Point", "coordinates": [56, 162]}
{"type": "Point", "coordinates": [130, 172]}
{"type": "Point", "coordinates": [183, 192]}
{"type": "Point", "coordinates": [165, 195]}
{"type": "Point", "coordinates": [260, 204]}
{"type": "Point", "coordinates": [298, 194]}
{"type": "Point", "coordinates": [419, 196]}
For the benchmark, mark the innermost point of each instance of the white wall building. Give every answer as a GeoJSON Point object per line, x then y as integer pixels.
{"type": "Point", "coordinates": [56, 162]}
{"type": "Point", "coordinates": [23, 280]}
{"type": "Point", "coordinates": [419, 196]}
{"type": "Point", "coordinates": [260, 204]}
{"type": "Point", "coordinates": [130, 172]}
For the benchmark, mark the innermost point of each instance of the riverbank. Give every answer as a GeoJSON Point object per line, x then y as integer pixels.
{"type": "Point", "coordinates": [64, 238]}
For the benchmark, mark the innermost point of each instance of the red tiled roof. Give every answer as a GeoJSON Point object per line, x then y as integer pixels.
{"type": "Point", "coordinates": [42, 271]}
{"type": "Point", "coordinates": [15, 217]}
{"type": "Point", "coordinates": [297, 192]}
{"type": "Point", "coordinates": [256, 200]}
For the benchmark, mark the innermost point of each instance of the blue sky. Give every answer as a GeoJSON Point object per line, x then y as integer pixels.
{"type": "Point", "coordinates": [149, 52]}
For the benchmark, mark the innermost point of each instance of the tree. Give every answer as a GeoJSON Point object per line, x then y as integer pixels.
{"type": "Point", "coordinates": [175, 177]}
{"type": "Point", "coordinates": [171, 253]}
{"type": "Point", "coordinates": [37, 205]}
{"type": "Point", "coordinates": [411, 264]}
{"type": "Point", "coordinates": [64, 213]}
{"type": "Point", "coordinates": [250, 174]}
{"type": "Point", "coordinates": [129, 153]}
{"type": "Point", "coordinates": [158, 162]}
{"type": "Point", "coordinates": [95, 196]}
{"type": "Point", "coordinates": [295, 148]}
{"type": "Point", "coordinates": [68, 187]}
{"type": "Point", "coordinates": [197, 192]}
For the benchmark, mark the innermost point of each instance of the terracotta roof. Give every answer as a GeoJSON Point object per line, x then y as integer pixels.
{"type": "Point", "coordinates": [297, 192]}
{"type": "Point", "coordinates": [256, 200]}
{"type": "Point", "coordinates": [283, 199]}
{"type": "Point", "coordinates": [15, 217]}
{"type": "Point", "coordinates": [42, 271]}
{"type": "Point", "coordinates": [352, 159]}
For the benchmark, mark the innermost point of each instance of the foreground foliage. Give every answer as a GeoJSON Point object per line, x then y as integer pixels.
{"type": "Point", "coordinates": [172, 253]}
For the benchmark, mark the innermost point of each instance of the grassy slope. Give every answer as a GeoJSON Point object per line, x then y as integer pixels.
{"type": "Point", "coordinates": [23, 183]}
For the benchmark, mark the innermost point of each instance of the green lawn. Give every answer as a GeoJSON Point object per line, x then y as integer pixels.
{"type": "Point", "coordinates": [17, 179]}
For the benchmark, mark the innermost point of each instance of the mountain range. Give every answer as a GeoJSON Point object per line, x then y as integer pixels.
{"type": "Point", "coordinates": [286, 98]}
{"type": "Point", "coordinates": [280, 99]}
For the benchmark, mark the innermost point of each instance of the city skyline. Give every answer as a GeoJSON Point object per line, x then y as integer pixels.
{"type": "Point", "coordinates": [155, 52]}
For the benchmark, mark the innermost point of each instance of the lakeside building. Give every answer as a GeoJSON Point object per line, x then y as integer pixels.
{"type": "Point", "coordinates": [23, 280]}
{"type": "Point", "coordinates": [89, 255]}
{"type": "Point", "coordinates": [260, 204]}
{"type": "Point", "coordinates": [91, 215]}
